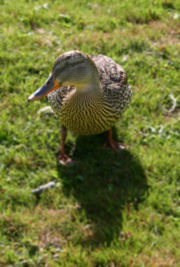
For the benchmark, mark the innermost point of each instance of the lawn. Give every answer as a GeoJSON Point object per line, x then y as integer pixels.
{"type": "Point", "coordinates": [108, 209]}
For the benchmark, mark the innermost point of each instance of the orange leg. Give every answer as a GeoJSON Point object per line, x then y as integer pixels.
{"type": "Point", "coordinates": [63, 158]}
{"type": "Point", "coordinates": [114, 145]}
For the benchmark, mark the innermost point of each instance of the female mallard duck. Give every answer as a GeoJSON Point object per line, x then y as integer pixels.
{"type": "Point", "coordinates": [88, 94]}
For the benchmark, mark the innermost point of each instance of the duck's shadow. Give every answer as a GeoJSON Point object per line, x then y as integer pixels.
{"type": "Point", "coordinates": [104, 184]}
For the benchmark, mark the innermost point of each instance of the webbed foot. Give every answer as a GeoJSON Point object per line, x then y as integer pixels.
{"type": "Point", "coordinates": [65, 160]}
{"type": "Point", "coordinates": [114, 145]}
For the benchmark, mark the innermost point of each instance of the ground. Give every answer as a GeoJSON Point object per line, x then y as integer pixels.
{"type": "Point", "coordinates": [109, 209]}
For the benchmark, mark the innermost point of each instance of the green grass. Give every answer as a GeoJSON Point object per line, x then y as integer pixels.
{"type": "Point", "coordinates": [109, 209]}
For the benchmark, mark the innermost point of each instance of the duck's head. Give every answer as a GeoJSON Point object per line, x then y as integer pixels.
{"type": "Point", "coordinates": [72, 68]}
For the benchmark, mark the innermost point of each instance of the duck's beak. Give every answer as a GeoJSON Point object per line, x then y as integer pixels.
{"type": "Point", "coordinates": [50, 85]}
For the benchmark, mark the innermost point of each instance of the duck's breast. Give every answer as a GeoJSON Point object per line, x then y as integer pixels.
{"type": "Point", "coordinates": [87, 116]}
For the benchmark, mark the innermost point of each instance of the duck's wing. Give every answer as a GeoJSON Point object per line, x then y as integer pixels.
{"type": "Point", "coordinates": [110, 73]}
{"type": "Point", "coordinates": [113, 81]}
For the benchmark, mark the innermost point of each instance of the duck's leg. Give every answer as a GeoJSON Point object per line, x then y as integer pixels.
{"type": "Point", "coordinates": [63, 158]}
{"type": "Point", "coordinates": [114, 145]}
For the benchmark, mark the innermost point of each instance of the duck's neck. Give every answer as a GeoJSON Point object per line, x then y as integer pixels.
{"type": "Point", "coordinates": [86, 80]}
{"type": "Point", "coordinates": [90, 86]}
{"type": "Point", "coordinates": [91, 94]}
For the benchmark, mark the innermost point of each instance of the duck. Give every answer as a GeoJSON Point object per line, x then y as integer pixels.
{"type": "Point", "coordinates": [88, 93]}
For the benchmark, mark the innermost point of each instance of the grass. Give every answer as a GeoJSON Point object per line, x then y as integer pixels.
{"type": "Point", "coordinates": [108, 209]}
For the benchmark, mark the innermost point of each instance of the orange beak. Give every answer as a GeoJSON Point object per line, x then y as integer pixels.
{"type": "Point", "coordinates": [50, 85]}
